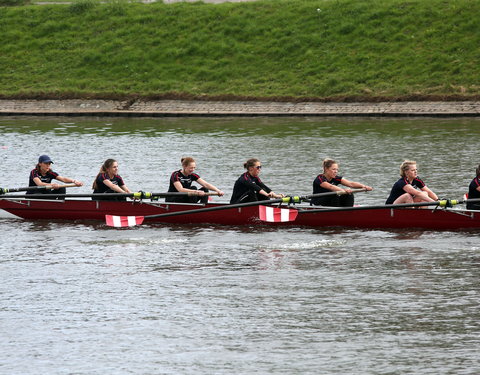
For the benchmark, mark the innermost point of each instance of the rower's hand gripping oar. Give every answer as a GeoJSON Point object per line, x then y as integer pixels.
{"type": "Point", "coordinates": [29, 188]}
{"type": "Point", "coordinates": [123, 221]}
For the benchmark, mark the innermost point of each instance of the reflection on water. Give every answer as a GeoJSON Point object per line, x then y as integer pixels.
{"type": "Point", "coordinates": [84, 298]}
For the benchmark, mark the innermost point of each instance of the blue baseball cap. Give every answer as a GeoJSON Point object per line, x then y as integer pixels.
{"type": "Point", "coordinates": [44, 159]}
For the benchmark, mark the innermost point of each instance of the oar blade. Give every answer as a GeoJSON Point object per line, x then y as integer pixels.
{"type": "Point", "coordinates": [276, 215]}
{"type": "Point", "coordinates": [123, 221]}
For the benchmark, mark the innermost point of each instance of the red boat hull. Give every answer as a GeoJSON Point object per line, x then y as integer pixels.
{"type": "Point", "coordinates": [436, 219]}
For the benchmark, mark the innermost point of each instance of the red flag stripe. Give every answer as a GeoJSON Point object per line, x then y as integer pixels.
{"type": "Point", "coordinates": [276, 215]}
{"type": "Point", "coordinates": [123, 221]}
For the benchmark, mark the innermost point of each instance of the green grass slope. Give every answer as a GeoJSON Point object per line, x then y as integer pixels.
{"type": "Point", "coordinates": [277, 49]}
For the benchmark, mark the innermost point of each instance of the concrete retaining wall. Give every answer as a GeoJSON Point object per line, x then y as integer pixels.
{"type": "Point", "coordinates": [240, 108]}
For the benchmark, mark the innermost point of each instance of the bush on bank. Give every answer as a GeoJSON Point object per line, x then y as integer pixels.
{"type": "Point", "coordinates": [316, 49]}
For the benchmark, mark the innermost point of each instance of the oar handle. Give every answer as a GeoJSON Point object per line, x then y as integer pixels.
{"type": "Point", "coordinates": [469, 200]}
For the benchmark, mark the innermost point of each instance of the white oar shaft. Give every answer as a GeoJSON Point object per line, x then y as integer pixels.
{"type": "Point", "coordinates": [29, 188]}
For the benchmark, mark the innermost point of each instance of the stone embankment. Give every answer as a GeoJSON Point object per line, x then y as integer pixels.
{"type": "Point", "coordinates": [159, 108]}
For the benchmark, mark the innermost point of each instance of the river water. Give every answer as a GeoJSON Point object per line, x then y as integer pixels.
{"type": "Point", "coordinates": [83, 298]}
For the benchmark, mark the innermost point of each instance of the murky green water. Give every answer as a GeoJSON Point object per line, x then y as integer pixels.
{"type": "Point", "coordinates": [82, 298]}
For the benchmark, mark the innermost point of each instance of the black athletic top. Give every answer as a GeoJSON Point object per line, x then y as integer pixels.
{"type": "Point", "coordinates": [49, 176]}
{"type": "Point", "coordinates": [397, 189]}
{"type": "Point", "coordinates": [320, 179]}
{"type": "Point", "coordinates": [102, 188]}
{"type": "Point", "coordinates": [474, 193]}
{"type": "Point", "coordinates": [247, 184]}
{"type": "Point", "coordinates": [186, 181]}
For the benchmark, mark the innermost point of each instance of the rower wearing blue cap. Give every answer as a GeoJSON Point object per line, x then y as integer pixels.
{"type": "Point", "coordinates": [42, 175]}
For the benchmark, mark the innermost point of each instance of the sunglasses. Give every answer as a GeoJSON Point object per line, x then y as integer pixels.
{"type": "Point", "coordinates": [258, 167]}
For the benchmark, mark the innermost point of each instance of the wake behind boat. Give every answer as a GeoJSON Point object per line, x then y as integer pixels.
{"type": "Point", "coordinates": [375, 217]}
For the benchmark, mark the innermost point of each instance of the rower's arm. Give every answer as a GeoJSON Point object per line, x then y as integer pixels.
{"type": "Point", "coordinates": [113, 187]}
{"type": "Point", "coordinates": [209, 186]}
{"type": "Point", "coordinates": [410, 189]}
{"type": "Point", "coordinates": [356, 185]}
{"type": "Point", "coordinates": [39, 182]}
{"type": "Point", "coordinates": [329, 186]}
{"type": "Point", "coordinates": [125, 189]}
{"type": "Point", "coordinates": [430, 193]}
{"type": "Point", "coordinates": [181, 189]}
{"type": "Point", "coordinates": [69, 180]}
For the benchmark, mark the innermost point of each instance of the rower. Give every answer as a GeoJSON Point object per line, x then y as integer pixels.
{"type": "Point", "coordinates": [474, 191]}
{"type": "Point", "coordinates": [329, 181]}
{"type": "Point", "coordinates": [181, 181]}
{"type": "Point", "coordinates": [42, 175]}
{"type": "Point", "coordinates": [410, 188]}
{"type": "Point", "coordinates": [249, 187]}
{"type": "Point", "coordinates": [109, 181]}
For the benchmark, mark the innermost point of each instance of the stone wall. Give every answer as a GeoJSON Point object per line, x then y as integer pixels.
{"type": "Point", "coordinates": [234, 108]}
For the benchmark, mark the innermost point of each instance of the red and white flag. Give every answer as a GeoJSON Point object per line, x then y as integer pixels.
{"type": "Point", "coordinates": [123, 221]}
{"type": "Point", "coordinates": [275, 214]}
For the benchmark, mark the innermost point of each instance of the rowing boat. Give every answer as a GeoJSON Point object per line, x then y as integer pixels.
{"type": "Point", "coordinates": [371, 218]}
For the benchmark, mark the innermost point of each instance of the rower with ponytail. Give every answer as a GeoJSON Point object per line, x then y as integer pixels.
{"type": "Point", "coordinates": [249, 187]}
{"type": "Point", "coordinates": [109, 181]}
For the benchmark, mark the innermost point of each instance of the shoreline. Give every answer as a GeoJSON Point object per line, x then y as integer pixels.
{"type": "Point", "coordinates": [192, 108]}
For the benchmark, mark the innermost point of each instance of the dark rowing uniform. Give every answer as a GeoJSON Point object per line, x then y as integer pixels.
{"type": "Point", "coordinates": [47, 179]}
{"type": "Point", "coordinates": [397, 188]}
{"type": "Point", "coordinates": [246, 189]}
{"type": "Point", "coordinates": [102, 188]}
{"type": "Point", "coordinates": [186, 182]}
{"type": "Point", "coordinates": [474, 193]}
{"type": "Point", "coordinates": [320, 179]}
{"type": "Point", "coordinates": [345, 200]}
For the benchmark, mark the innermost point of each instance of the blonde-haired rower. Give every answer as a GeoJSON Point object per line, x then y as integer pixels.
{"type": "Point", "coordinates": [181, 181]}
{"type": "Point", "coordinates": [410, 188]}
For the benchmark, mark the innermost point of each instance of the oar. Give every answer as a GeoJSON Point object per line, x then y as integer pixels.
{"type": "Point", "coordinates": [441, 203]}
{"type": "Point", "coordinates": [123, 221]}
{"type": "Point", "coordinates": [136, 195]}
{"type": "Point", "coordinates": [28, 188]}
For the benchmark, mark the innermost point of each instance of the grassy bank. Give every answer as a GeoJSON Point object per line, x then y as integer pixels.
{"type": "Point", "coordinates": [315, 49]}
